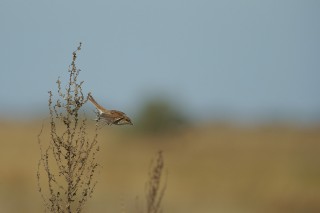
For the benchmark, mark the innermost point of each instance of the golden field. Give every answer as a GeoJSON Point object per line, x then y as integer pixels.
{"type": "Point", "coordinates": [211, 168]}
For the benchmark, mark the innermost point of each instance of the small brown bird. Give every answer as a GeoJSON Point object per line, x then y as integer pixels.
{"type": "Point", "coordinates": [110, 116]}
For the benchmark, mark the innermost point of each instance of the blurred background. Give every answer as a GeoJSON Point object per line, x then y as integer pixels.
{"type": "Point", "coordinates": [229, 90]}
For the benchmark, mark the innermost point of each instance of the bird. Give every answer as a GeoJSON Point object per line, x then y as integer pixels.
{"type": "Point", "coordinates": [110, 116]}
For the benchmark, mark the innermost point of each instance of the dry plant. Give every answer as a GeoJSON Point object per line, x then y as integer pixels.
{"type": "Point", "coordinates": [67, 167]}
{"type": "Point", "coordinates": [155, 188]}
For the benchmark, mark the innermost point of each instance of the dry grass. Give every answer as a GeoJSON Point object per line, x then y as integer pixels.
{"type": "Point", "coordinates": [211, 169]}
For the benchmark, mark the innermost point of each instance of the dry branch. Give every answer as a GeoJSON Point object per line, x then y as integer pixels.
{"type": "Point", "coordinates": [68, 160]}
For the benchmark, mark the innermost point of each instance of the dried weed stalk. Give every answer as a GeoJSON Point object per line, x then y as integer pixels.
{"type": "Point", "coordinates": [67, 166]}
{"type": "Point", "coordinates": [155, 189]}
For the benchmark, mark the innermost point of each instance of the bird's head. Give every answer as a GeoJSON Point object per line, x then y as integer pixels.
{"type": "Point", "coordinates": [125, 120]}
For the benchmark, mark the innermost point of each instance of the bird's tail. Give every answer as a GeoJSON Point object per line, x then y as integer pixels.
{"type": "Point", "coordinates": [98, 106]}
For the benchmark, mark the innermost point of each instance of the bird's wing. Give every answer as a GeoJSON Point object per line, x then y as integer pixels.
{"type": "Point", "coordinates": [116, 113]}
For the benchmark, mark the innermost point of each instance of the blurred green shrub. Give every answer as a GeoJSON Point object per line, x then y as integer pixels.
{"type": "Point", "coordinates": [159, 116]}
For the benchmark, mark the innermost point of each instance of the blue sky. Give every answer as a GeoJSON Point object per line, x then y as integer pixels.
{"type": "Point", "coordinates": [241, 59]}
